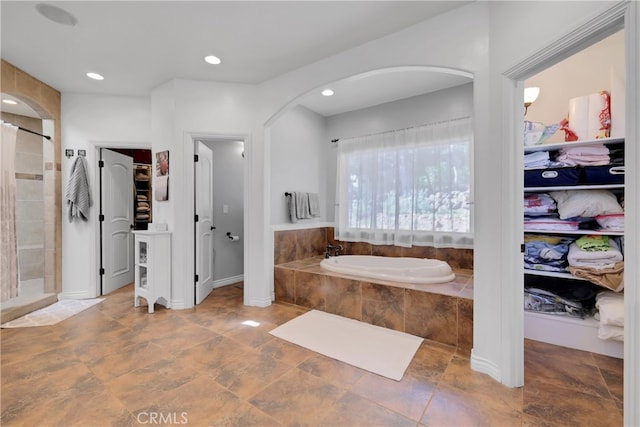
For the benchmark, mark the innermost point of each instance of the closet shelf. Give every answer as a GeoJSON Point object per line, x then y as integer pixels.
{"type": "Point", "coordinates": [578, 232]}
{"type": "Point", "coordinates": [556, 274]}
{"type": "Point", "coordinates": [552, 147]}
{"type": "Point", "coordinates": [572, 187]}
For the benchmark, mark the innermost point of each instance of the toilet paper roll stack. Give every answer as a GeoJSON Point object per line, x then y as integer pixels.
{"type": "Point", "coordinates": [590, 116]}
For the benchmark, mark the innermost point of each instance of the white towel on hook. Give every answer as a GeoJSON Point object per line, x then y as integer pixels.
{"type": "Point", "coordinates": [77, 193]}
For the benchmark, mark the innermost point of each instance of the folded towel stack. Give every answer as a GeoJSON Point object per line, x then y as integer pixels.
{"type": "Point", "coordinates": [602, 267]}
{"type": "Point", "coordinates": [610, 307]}
{"type": "Point", "coordinates": [588, 155]}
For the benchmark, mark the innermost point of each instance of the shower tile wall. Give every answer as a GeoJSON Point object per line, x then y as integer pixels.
{"type": "Point", "coordinates": [30, 218]}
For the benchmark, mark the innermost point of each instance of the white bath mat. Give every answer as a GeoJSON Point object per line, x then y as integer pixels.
{"type": "Point", "coordinates": [52, 314]}
{"type": "Point", "coordinates": [379, 350]}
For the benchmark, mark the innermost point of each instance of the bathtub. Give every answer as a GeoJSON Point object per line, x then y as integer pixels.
{"type": "Point", "coordinates": [406, 270]}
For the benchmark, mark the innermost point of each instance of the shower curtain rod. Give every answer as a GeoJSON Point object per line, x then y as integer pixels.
{"type": "Point", "coordinates": [35, 133]}
{"type": "Point", "coordinates": [30, 131]}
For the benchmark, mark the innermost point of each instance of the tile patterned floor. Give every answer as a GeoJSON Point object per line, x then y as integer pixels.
{"type": "Point", "coordinates": [116, 365]}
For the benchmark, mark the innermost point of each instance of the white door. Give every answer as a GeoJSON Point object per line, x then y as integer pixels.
{"type": "Point", "coordinates": [204, 226]}
{"type": "Point", "coordinates": [117, 207]}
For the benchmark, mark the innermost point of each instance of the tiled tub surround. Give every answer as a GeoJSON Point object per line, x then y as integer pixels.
{"type": "Point", "coordinates": [294, 245]}
{"type": "Point", "coordinates": [438, 312]}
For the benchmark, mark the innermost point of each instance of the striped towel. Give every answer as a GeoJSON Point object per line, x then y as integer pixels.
{"type": "Point", "coordinates": [77, 192]}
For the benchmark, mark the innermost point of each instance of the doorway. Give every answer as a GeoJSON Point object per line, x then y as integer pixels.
{"type": "Point", "coordinates": [218, 214]}
{"type": "Point", "coordinates": [124, 205]}
{"type": "Point", "coordinates": [593, 31]}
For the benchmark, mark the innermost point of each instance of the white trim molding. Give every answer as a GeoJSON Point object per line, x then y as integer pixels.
{"type": "Point", "coordinates": [228, 281]}
{"type": "Point", "coordinates": [480, 364]}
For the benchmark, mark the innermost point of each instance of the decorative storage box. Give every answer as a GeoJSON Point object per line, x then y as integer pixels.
{"type": "Point", "coordinates": [603, 175]}
{"type": "Point", "coordinates": [552, 177]}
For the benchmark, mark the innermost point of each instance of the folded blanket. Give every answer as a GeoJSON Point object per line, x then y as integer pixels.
{"type": "Point", "coordinates": [608, 332]}
{"type": "Point", "coordinates": [585, 203]}
{"type": "Point", "coordinates": [596, 260]}
{"type": "Point", "coordinates": [610, 278]}
{"type": "Point", "coordinates": [611, 308]}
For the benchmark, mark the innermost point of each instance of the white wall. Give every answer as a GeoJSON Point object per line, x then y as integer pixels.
{"type": "Point", "coordinates": [184, 110]}
{"type": "Point", "coordinates": [419, 110]}
{"type": "Point", "coordinates": [89, 121]}
{"type": "Point", "coordinates": [584, 73]}
{"type": "Point", "coordinates": [298, 160]}
{"type": "Point", "coordinates": [228, 190]}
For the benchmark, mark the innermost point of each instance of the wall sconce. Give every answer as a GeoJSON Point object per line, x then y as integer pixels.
{"type": "Point", "coordinates": [530, 96]}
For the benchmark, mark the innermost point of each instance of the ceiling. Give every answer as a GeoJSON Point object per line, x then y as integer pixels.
{"type": "Point", "coordinates": [139, 45]}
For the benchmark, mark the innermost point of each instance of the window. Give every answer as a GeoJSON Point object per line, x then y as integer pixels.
{"type": "Point", "coordinates": [407, 187]}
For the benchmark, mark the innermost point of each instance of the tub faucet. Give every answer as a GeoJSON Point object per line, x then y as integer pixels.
{"type": "Point", "coordinates": [338, 249]}
{"type": "Point", "coordinates": [327, 254]}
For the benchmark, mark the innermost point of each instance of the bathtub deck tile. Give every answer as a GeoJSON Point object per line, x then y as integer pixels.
{"type": "Point", "coordinates": [310, 290]}
{"type": "Point", "coordinates": [284, 284]}
{"type": "Point", "coordinates": [432, 316]}
{"type": "Point", "coordinates": [344, 297]}
{"type": "Point", "coordinates": [383, 306]}
{"type": "Point", "coordinates": [442, 313]}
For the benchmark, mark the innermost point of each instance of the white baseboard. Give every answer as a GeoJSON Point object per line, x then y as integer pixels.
{"type": "Point", "coordinates": [485, 366]}
{"type": "Point", "coordinates": [228, 281]}
{"type": "Point", "coordinates": [75, 295]}
{"type": "Point", "coordinates": [260, 302]}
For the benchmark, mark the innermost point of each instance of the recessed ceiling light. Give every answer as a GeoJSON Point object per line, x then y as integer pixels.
{"type": "Point", "coordinates": [10, 101]}
{"type": "Point", "coordinates": [327, 92]}
{"type": "Point", "coordinates": [95, 76]}
{"type": "Point", "coordinates": [212, 59]}
{"type": "Point", "coordinates": [56, 14]}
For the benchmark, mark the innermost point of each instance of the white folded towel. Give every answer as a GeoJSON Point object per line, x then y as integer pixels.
{"type": "Point", "coordinates": [597, 259]}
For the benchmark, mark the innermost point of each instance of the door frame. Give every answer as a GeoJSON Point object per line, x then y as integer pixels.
{"type": "Point", "coordinates": [191, 139]}
{"type": "Point", "coordinates": [95, 146]}
{"type": "Point", "coordinates": [623, 15]}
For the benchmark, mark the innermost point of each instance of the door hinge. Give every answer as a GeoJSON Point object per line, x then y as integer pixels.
{"type": "Point", "coordinates": [196, 218]}
{"type": "Point", "coordinates": [100, 163]}
{"type": "Point", "coordinates": [195, 157]}
{"type": "Point", "coordinates": [101, 217]}
{"type": "Point", "coordinates": [101, 271]}
{"type": "Point", "coordinates": [197, 278]}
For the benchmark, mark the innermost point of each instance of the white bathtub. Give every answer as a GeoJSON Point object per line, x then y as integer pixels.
{"type": "Point", "coordinates": [406, 270]}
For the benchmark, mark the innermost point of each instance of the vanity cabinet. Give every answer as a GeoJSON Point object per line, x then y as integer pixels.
{"type": "Point", "coordinates": [152, 268]}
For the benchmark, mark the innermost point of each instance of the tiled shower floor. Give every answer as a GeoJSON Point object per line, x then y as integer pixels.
{"type": "Point", "coordinates": [114, 364]}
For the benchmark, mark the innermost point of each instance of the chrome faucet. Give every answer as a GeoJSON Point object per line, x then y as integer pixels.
{"type": "Point", "coordinates": [337, 248]}
{"type": "Point", "coordinates": [327, 254]}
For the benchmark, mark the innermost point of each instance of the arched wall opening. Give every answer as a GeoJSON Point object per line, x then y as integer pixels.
{"type": "Point", "coordinates": [46, 102]}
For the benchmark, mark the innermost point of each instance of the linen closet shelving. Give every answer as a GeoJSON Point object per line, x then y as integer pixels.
{"type": "Point", "coordinates": [142, 198]}
{"type": "Point", "coordinates": [568, 331]}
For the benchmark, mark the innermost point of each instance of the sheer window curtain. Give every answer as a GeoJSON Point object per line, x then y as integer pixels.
{"type": "Point", "coordinates": [9, 275]}
{"type": "Point", "coordinates": [407, 187]}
